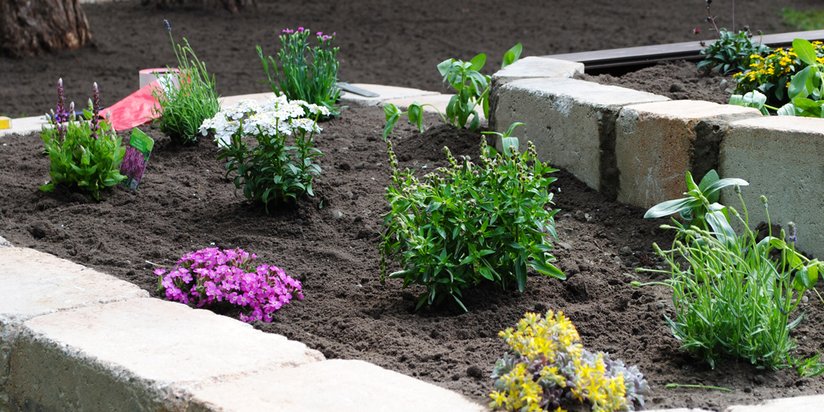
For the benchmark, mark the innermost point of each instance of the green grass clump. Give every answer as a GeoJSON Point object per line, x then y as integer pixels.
{"type": "Point", "coordinates": [803, 19]}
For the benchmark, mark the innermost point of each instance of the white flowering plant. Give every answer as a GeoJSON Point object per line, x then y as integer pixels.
{"type": "Point", "coordinates": [269, 146]}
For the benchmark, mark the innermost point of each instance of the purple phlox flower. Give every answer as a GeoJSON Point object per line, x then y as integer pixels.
{"type": "Point", "coordinates": [287, 31]}
{"type": "Point", "coordinates": [319, 34]}
{"type": "Point", "coordinates": [301, 29]}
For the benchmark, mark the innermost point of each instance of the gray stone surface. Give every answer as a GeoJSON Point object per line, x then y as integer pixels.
{"type": "Point", "coordinates": [25, 125]}
{"type": "Point", "coordinates": [334, 385]}
{"type": "Point", "coordinates": [4, 242]}
{"type": "Point", "coordinates": [781, 158]}
{"type": "Point", "coordinates": [813, 403]}
{"type": "Point", "coordinates": [656, 143]}
{"type": "Point", "coordinates": [135, 353]}
{"type": "Point", "coordinates": [537, 67]}
{"type": "Point", "coordinates": [570, 121]}
{"type": "Point", "coordinates": [384, 93]}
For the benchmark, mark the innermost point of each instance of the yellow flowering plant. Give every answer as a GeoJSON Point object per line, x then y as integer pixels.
{"type": "Point", "coordinates": [771, 74]}
{"type": "Point", "coordinates": [548, 369]}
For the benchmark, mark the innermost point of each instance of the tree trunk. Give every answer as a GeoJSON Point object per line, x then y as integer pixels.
{"type": "Point", "coordinates": [232, 5]}
{"type": "Point", "coordinates": [29, 27]}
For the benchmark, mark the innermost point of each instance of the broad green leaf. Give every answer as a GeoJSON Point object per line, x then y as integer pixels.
{"type": "Point", "coordinates": [721, 227]}
{"type": "Point", "coordinates": [477, 63]}
{"type": "Point", "coordinates": [805, 51]}
{"type": "Point", "coordinates": [801, 83]}
{"type": "Point", "coordinates": [444, 66]}
{"type": "Point", "coordinates": [670, 207]}
{"type": "Point", "coordinates": [512, 55]}
{"type": "Point", "coordinates": [547, 269]}
{"type": "Point", "coordinates": [723, 183]}
{"type": "Point", "coordinates": [787, 110]}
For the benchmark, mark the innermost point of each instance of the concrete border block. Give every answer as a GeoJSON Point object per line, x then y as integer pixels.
{"type": "Point", "coordinates": [657, 142]}
{"type": "Point", "coordinates": [797, 404]}
{"type": "Point", "coordinates": [333, 385]}
{"type": "Point", "coordinates": [571, 123]}
{"type": "Point", "coordinates": [136, 352]}
{"type": "Point", "coordinates": [781, 158]}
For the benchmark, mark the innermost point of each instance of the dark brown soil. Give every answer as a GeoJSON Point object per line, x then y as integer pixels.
{"type": "Point", "coordinates": [382, 41]}
{"type": "Point", "coordinates": [677, 80]}
{"type": "Point", "coordinates": [331, 243]}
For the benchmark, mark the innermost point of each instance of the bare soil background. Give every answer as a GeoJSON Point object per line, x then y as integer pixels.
{"type": "Point", "coordinates": [381, 41]}
{"type": "Point", "coordinates": [331, 243]}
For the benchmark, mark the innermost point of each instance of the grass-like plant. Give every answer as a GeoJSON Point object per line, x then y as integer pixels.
{"type": "Point", "coordinates": [281, 163]}
{"type": "Point", "coordinates": [470, 223]}
{"type": "Point", "coordinates": [733, 293]}
{"type": "Point", "coordinates": [471, 99]}
{"type": "Point", "coordinates": [187, 97]}
{"type": "Point", "coordinates": [304, 72]}
{"type": "Point", "coordinates": [84, 153]}
{"type": "Point", "coordinates": [803, 19]}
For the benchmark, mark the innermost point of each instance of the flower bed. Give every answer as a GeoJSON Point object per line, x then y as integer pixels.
{"type": "Point", "coordinates": [331, 244]}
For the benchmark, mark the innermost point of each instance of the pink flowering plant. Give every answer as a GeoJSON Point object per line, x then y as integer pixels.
{"type": "Point", "coordinates": [212, 277]}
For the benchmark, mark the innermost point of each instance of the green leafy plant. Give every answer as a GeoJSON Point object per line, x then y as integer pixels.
{"type": "Point", "coordinates": [187, 97]}
{"type": "Point", "coordinates": [699, 199]}
{"type": "Point", "coordinates": [731, 52]}
{"type": "Point", "coordinates": [304, 72]}
{"type": "Point", "coordinates": [84, 153]}
{"type": "Point", "coordinates": [470, 223]}
{"type": "Point", "coordinates": [803, 19]}
{"type": "Point", "coordinates": [281, 164]}
{"type": "Point", "coordinates": [732, 295]}
{"type": "Point", "coordinates": [806, 89]}
{"type": "Point", "coordinates": [471, 88]}
{"type": "Point", "coordinates": [771, 74]}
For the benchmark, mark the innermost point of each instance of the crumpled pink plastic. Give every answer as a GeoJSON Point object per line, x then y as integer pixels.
{"type": "Point", "coordinates": [136, 109]}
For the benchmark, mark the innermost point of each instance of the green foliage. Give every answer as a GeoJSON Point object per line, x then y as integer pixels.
{"type": "Point", "coordinates": [470, 223]}
{"type": "Point", "coordinates": [803, 19]}
{"type": "Point", "coordinates": [771, 74]}
{"type": "Point", "coordinates": [280, 167]}
{"type": "Point", "coordinates": [806, 89]}
{"type": "Point", "coordinates": [734, 295]}
{"type": "Point", "coordinates": [189, 99]}
{"type": "Point", "coordinates": [471, 88]}
{"type": "Point", "coordinates": [80, 157]}
{"type": "Point", "coordinates": [698, 201]}
{"type": "Point", "coordinates": [731, 52]}
{"type": "Point", "coordinates": [304, 72]}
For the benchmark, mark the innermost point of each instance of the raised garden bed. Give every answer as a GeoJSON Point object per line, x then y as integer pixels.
{"type": "Point", "coordinates": [331, 243]}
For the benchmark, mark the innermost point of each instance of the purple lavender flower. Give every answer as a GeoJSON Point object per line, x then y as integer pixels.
{"type": "Point", "coordinates": [167, 25]}
{"type": "Point", "coordinates": [287, 31]}
{"type": "Point", "coordinates": [95, 125]}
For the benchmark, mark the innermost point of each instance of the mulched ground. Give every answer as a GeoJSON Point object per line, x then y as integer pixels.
{"type": "Point", "coordinates": [331, 243]}
{"type": "Point", "coordinates": [385, 42]}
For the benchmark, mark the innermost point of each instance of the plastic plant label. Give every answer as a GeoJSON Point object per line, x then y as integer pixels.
{"type": "Point", "coordinates": [136, 158]}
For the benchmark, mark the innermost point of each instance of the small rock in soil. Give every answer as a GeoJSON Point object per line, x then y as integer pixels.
{"type": "Point", "coordinates": [337, 214]}
{"type": "Point", "coordinates": [626, 250]}
{"type": "Point", "coordinates": [474, 372]}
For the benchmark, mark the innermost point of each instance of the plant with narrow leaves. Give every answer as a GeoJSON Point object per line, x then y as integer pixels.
{"type": "Point", "coordinates": [470, 223]}
{"type": "Point", "coordinates": [304, 72]}
{"type": "Point", "coordinates": [471, 88]}
{"type": "Point", "coordinates": [187, 97]}
{"type": "Point", "coordinates": [734, 294]}
{"type": "Point", "coordinates": [731, 52]}
{"type": "Point", "coordinates": [85, 153]}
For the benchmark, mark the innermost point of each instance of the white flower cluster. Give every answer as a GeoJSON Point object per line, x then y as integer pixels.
{"type": "Point", "coordinates": [276, 116]}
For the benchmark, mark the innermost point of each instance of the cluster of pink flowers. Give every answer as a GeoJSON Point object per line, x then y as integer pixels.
{"type": "Point", "coordinates": [213, 275]}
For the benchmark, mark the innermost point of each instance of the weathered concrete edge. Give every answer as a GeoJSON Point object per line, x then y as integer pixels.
{"type": "Point", "coordinates": [20, 342]}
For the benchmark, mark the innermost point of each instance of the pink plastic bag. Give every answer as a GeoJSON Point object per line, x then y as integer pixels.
{"type": "Point", "coordinates": [136, 109]}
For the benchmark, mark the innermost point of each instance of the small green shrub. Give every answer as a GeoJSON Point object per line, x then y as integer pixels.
{"type": "Point", "coordinates": [281, 163]}
{"type": "Point", "coordinates": [470, 223]}
{"type": "Point", "coordinates": [304, 72]}
{"type": "Point", "coordinates": [84, 153]}
{"type": "Point", "coordinates": [471, 88]}
{"type": "Point", "coordinates": [548, 369]}
{"type": "Point", "coordinates": [735, 294]}
{"type": "Point", "coordinates": [188, 100]}
{"type": "Point", "coordinates": [731, 53]}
